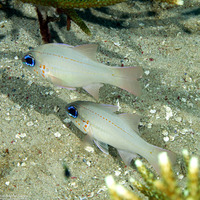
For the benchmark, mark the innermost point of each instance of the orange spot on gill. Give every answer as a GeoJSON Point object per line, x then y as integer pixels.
{"type": "Point", "coordinates": [43, 66]}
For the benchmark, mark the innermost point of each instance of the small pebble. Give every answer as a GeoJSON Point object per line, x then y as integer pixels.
{"type": "Point", "coordinates": [67, 120]}
{"type": "Point", "coordinates": [152, 111]}
{"type": "Point", "coordinates": [56, 109]}
{"type": "Point", "coordinates": [178, 119]}
{"type": "Point", "coordinates": [91, 194]}
{"type": "Point", "coordinates": [117, 44]}
{"type": "Point", "coordinates": [89, 149]}
{"type": "Point", "coordinates": [183, 100]}
{"type": "Point", "coordinates": [166, 139]}
{"type": "Point", "coordinates": [29, 123]}
{"type": "Point", "coordinates": [7, 118]}
{"type": "Point", "coordinates": [149, 125]}
{"type": "Point", "coordinates": [168, 112]}
{"type": "Point", "coordinates": [165, 133]}
{"type": "Point", "coordinates": [72, 96]}
{"type": "Point", "coordinates": [7, 183]}
{"type": "Point", "coordinates": [117, 173]}
{"type": "Point", "coordinates": [147, 72]}
{"type": "Point", "coordinates": [184, 131]}
{"type": "Point", "coordinates": [30, 83]}
{"type": "Point", "coordinates": [171, 138]}
{"type": "Point", "coordinates": [51, 92]}
{"type": "Point", "coordinates": [180, 176]}
{"type": "Point", "coordinates": [57, 134]}
{"type": "Point", "coordinates": [88, 163]}
{"type": "Point", "coordinates": [23, 164]}
{"type": "Point", "coordinates": [141, 24]}
{"type": "Point", "coordinates": [22, 135]}
{"type": "Point", "coordinates": [17, 107]}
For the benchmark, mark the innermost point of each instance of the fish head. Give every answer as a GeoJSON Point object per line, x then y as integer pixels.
{"type": "Point", "coordinates": [76, 113]}
{"type": "Point", "coordinates": [36, 62]}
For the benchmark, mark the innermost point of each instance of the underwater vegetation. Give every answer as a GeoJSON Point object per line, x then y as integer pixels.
{"type": "Point", "coordinates": [165, 188]}
{"type": "Point", "coordinates": [68, 7]}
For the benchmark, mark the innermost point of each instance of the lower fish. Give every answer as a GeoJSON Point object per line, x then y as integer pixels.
{"type": "Point", "coordinates": [71, 67]}
{"type": "Point", "coordinates": [106, 127]}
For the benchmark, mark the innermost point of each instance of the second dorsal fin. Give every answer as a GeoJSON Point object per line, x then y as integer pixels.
{"type": "Point", "coordinates": [88, 50]}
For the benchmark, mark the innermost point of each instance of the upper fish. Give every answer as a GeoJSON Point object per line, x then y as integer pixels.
{"type": "Point", "coordinates": [106, 127]}
{"type": "Point", "coordinates": [72, 67]}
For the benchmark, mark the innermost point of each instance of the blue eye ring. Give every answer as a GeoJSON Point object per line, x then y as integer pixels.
{"type": "Point", "coordinates": [72, 111]}
{"type": "Point", "coordinates": [29, 60]}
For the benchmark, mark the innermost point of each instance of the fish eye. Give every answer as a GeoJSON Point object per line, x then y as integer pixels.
{"type": "Point", "coordinates": [72, 111]}
{"type": "Point", "coordinates": [29, 60]}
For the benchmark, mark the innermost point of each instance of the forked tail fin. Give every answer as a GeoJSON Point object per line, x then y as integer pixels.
{"type": "Point", "coordinates": [152, 157]}
{"type": "Point", "coordinates": [127, 79]}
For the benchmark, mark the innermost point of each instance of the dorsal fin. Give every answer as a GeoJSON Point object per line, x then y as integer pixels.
{"type": "Point", "coordinates": [131, 119]}
{"type": "Point", "coordinates": [109, 108]}
{"type": "Point", "coordinates": [88, 50]}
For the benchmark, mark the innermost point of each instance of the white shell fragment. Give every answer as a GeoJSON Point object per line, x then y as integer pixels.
{"type": "Point", "coordinates": [149, 125]}
{"type": "Point", "coordinates": [117, 173]}
{"type": "Point", "coordinates": [166, 139]}
{"type": "Point", "coordinates": [168, 112]}
{"type": "Point", "coordinates": [165, 133]}
{"type": "Point", "coordinates": [57, 134]}
{"type": "Point", "coordinates": [184, 131]}
{"type": "Point", "coordinates": [89, 149]}
{"type": "Point", "coordinates": [152, 111]}
{"type": "Point", "coordinates": [20, 135]}
{"type": "Point", "coordinates": [178, 119]}
{"type": "Point", "coordinates": [7, 183]}
{"type": "Point", "coordinates": [29, 123]}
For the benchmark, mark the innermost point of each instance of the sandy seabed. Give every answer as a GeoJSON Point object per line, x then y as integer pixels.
{"type": "Point", "coordinates": [35, 140]}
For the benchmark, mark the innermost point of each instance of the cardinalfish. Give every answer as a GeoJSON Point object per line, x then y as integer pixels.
{"type": "Point", "coordinates": [105, 127]}
{"type": "Point", "coordinates": [71, 67]}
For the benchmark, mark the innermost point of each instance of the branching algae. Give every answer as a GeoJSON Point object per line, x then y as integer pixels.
{"type": "Point", "coordinates": [68, 7]}
{"type": "Point", "coordinates": [165, 188]}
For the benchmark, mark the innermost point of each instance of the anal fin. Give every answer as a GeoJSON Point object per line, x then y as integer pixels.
{"type": "Point", "coordinates": [102, 146]}
{"type": "Point", "coordinates": [93, 89]}
{"type": "Point", "coordinates": [127, 157]}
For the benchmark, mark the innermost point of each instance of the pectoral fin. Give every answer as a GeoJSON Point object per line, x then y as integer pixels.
{"type": "Point", "coordinates": [56, 81]}
{"type": "Point", "coordinates": [127, 157]}
{"type": "Point", "coordinates": [102, 146]}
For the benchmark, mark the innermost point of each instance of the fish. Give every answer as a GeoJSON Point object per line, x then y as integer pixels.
{"type": "Point", "coordinates": [71, 67]}
{"type": "Point", "coordinates": [105, 127]}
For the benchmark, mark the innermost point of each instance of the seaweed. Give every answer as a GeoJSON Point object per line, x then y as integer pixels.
{"type": "Point", "coordinates": [68, 7]}
{"type": "Point", "coordinates": [164, 188]}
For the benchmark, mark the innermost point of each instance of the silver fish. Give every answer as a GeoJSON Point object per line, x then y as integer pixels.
{"type": "Point", "coordinates": [72, 67]}
{"type": "Point", "coordinates": [105, 127]}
